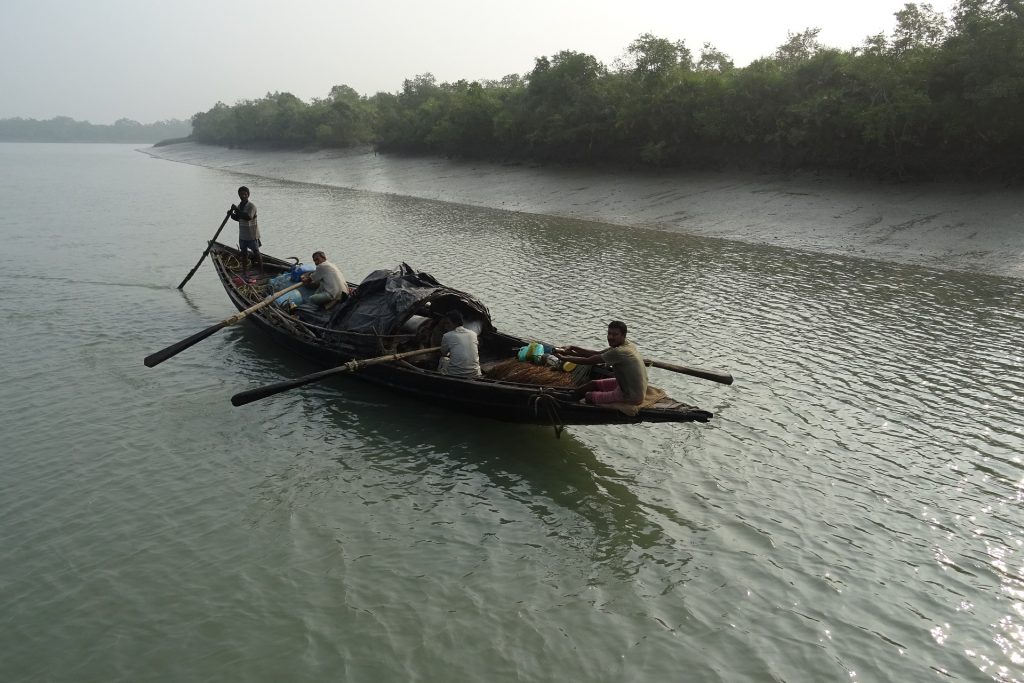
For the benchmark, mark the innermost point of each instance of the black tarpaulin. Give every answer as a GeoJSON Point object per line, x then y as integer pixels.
{"type": "Point", "coordinates": [385, 299]}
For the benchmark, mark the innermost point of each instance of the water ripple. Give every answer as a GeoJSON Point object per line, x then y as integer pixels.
{"type": "Point", "coordinates": [851, 512]}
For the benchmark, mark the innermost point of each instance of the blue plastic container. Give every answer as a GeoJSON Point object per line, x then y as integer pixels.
{"type": "Point", "coordinates": [298, 271]}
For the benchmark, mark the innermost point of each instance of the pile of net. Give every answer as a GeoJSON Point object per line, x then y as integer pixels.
{"type": "Point", "coordinates": [515, 370]}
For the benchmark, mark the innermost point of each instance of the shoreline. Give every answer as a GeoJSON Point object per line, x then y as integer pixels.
{"type": "Point", "coordinates": [948, 226]}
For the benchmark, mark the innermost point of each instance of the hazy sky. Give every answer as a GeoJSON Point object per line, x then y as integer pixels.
{"type": "Point", "coordinates": [101, 60]}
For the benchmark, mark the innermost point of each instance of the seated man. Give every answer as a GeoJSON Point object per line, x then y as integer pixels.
{"type": "Point", "coordinates": [460, 348]}
{"type": "Point", "coordinates": [329, 280]}
{"type": "Point", "coordinates": [630, 382]}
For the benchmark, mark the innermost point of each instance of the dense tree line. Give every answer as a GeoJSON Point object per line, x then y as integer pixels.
{"type": "Point", "coordinates": [939, 95]}
{"type": "Point", "coordinates": [342, 119]}
{"type": "Point", "coordinates": [65, 129]}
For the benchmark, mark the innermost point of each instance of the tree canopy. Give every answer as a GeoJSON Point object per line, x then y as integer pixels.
{"type": "Point", "coordinates": [937, 96]}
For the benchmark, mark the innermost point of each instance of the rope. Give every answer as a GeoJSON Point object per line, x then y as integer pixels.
{"type": "Point", "coordinates": [550, 404]}
{"type": "Point", "coordinates": [289, 322]}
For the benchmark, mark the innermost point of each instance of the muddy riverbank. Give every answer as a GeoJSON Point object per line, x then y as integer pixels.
{"type": "Point", "coordinates": [977, 228]}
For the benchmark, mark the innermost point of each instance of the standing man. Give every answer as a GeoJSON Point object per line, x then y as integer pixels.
{"type": "Point", "coordinates": [330, 281]}
{"type": "Point", "coordinates": [248, 231]}
{"type": "Point", "coordinates": [460, 348]}
{"type": "Point", "coordinates": [630, 382]}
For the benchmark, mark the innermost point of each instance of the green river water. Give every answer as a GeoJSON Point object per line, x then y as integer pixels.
{"type": "Point", "coordinates": [852, 512]}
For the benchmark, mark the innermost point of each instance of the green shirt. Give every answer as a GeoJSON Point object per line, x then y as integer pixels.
{"type": "Point", "coordinates": [630, 371]}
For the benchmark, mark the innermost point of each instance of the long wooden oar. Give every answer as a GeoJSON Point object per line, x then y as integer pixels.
{"type": "Point", "coordinates": [175, 349]}
{"type": "Point", "coordinates": [723, 378]}
{"type": "Point", "coordinates": [250, 395]}
{"type": "Point", "coordinates": [205, 253]}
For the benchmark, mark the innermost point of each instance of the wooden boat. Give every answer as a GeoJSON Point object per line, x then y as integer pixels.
{"type": "Point", "coordinates": [394, 311]}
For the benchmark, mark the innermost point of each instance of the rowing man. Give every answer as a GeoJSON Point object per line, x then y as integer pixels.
{"type": "Point", "coordinates": [248, 230]}
{"type": "Point", "coordinates": [630, 382]}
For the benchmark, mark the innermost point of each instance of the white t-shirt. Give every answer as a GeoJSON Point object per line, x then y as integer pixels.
{"type": "Point", "coordinates": [465, 353]}
{"type": "Point", "coordinates": [330, 278]}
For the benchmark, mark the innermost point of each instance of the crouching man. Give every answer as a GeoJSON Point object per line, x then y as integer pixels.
{"type": "Point", "coordinates": [329, 281]}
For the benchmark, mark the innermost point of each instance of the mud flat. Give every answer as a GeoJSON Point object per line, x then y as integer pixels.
{"type": "Point", "coordinates": [968, 227]}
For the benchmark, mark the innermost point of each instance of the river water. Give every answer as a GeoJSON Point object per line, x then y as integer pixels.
{"type": "Point", "coordinates": [852, 512]}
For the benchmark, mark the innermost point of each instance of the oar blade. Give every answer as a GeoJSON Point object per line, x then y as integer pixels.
{"type": "Point", "coordinates": [176, 348]}
{"type": "Point", "coordinates": [207, 251]}
{"type": "Point", "coordinates": [720, 377]}
{"type": "Point", "coordinates": [249, 395]}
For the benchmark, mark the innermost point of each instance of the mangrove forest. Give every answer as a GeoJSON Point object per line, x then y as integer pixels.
{"type": "Point", "coordinates": [938, 95]}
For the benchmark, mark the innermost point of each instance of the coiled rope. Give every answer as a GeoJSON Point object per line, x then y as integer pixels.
{"type": "Point", "coordinates": [546, 400]}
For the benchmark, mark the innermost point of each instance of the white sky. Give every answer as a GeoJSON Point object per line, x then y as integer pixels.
{"type": "Point", "coordinates": [148, 60]}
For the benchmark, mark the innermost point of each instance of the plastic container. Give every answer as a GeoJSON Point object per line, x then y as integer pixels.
{"type": "Point", "coordinates": [533, 351]}
{"type": "Point", "coordinates": [296, 273]}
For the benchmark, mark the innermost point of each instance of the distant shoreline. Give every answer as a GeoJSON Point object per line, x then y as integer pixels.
{"type": "Point", "coordinates": [77, 142]}
{"type": "Point", "coordinates": [949, 226]}
{"type": "Point", "coordinates": [68, 130]}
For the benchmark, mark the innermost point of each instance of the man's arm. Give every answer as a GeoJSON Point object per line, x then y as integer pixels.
{"type": "Point", "coordinates": [584, 358]}
{"type": "Point", "coordinates": [244, 213]}
{"type": "Point", "coordinates": [577, 351]}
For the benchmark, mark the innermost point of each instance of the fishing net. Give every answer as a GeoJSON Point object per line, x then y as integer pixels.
{"type": "Point", "coordinates": [515, 370]}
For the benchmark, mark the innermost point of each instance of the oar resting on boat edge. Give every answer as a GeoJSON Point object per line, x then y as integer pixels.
{"type": "Point", "coordinates": [178, 347]}
{"type": "Point", "coordinates": [250, 395]}
{"type": "Point", "coordinates": [721, 377]}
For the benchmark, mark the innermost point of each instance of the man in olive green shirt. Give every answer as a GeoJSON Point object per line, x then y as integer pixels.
{"type": "Point", "coordinates": [630, 382]}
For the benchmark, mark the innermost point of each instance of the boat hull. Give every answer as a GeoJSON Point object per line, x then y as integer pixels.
{"type": "Point", "coordinates": [483, 396]}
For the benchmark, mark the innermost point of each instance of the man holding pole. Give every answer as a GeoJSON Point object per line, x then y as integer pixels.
{"type": "Point", "coordinates": [248, 230]}
{"type": "Point", "coordinates": [630, 382]}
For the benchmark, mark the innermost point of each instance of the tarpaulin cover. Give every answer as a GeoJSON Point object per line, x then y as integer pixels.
{"type": "Point", "coordinates": [383, 299]}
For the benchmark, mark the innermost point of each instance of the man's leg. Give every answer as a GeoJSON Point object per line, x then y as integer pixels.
{"type": "Point", "coordinates": [604, 391]}
{"type": "Point", "coordinates": [581, 391]}
{"type": "Point", "coordinates": [320, 298]}
{"type": "Point", "coordinates": [247, 246]}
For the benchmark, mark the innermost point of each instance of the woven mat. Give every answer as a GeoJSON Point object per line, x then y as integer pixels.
{"type": "Point", "coordinates": [653, 396]}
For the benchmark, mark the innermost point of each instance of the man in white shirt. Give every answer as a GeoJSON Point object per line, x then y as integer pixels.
{"type": "Point", "coordinates": [460, 349]}
{"type": "Point", "coordinates": [330, 282]}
